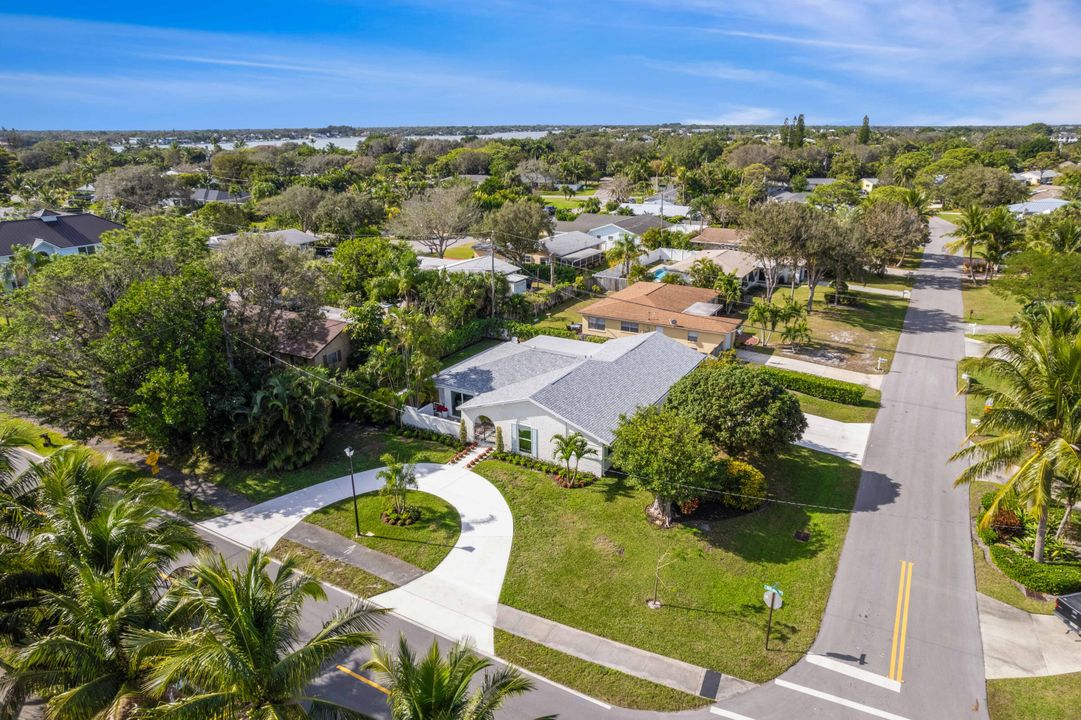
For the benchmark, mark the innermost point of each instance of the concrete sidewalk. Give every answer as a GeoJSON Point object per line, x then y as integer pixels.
{"type": "Point", "coordinates": [879, 291]}
{"type": "Point", "coordinates": [624, 658]}
{"type": "Point", "coordinates": [1020, 644]}
{"type": "Point", "coordinates": [776, 360]}
{"type": "Point", "coordinates": [846, 440]}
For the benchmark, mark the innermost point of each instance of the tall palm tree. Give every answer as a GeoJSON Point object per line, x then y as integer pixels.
{"type": "Point", "coordinates": [729, 289]}
{"type": "Point", "coordinates": [917, 200]}
{"type": "Point", "coordinates": [624, 251]}
{"type": "Point", "coordinates": [398, 479]}
{"type": "Point", "coordinates": [1061, 235]}
{"type": "Point", "coordinates": [1002, 235]}
{"type": "Point", "coordinates": [971, 232]}
{"type": "Point", "coordinates": [24, 262]}
{"type": "Point", "coordinates": [437, 688]}
{"type": "Point", "coordinates": [1032, 429]}
{"type": "Point", "coordinates": [241, 656]}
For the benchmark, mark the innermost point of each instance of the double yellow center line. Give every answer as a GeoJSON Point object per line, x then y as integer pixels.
{"type": "Point", "coordinates": [900, 623]}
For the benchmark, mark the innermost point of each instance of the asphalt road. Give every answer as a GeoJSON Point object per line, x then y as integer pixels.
{"type": "Point", "coordinates": [906, 512]}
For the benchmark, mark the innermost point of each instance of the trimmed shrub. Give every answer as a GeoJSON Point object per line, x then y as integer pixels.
{"type": "Point", "coordinates": [1052, 578]}
{"type": "Point", "coordinates": [432, 436]}
{"type": "Point", "coordinates": [463, 433]}
{"type": "Point", "coordinates": [838, 391]}
{"type": "Point", "coordinates": [499, 440]}
{"type": "Point", "coordinates": [746, 483]}
{"type": "Point", "coordinates": [584, 478]}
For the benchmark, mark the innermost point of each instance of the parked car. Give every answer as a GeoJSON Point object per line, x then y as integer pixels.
{"type": "Point", "coordinates": [1068, 607]}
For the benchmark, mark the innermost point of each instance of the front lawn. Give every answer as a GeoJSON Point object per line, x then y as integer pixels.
{"type": "Point", "coordinates": [259, 484]}
{"type": "Point", "coordinates": [319, 566]}
{"type": "Point", "coordinates": [423, 544]}
{"type": "Point", "coordinates": [863, 413]}
{"type": "Point", "coordinates": [984, 307]}
{"type": "Point", "coordinates": [1055, 697]}
{"type": "Point", "coordinates": [597, 681]}
{"type": "Point", "coordinates": [564, 313]}
{"type": "Point", "coordinates": [35, 434]}
{"type": "Point", "coordinates": [459, 252]}
{"type": "Point", "coordinates": [587, 558]}
{"type": "Point", "coordinates": [850, 337]}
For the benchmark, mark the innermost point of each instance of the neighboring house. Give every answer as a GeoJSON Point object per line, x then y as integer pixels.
{"type": "Point", "coordinates": [475, 178]}
{"type": "Point", "coordinates": [201, 196]}
{"type": "Point", "coordinates": [575, 248]}
{"type": "Point", "coordinates": [1036, 177]}
{"type": "Point", "coordinates": [814, 182]}
{"type": "Point", "coordinates": [325, 343]}
{"type": "Point", "coordinates": [517, 282]}
{"type": "Point", "coordinates": [295, 238]}
{"type": "Point", "coordinates": [1037, 207]}
{"type": "Point", "coordinates": [547, 386]}
{"type": "Point", "coordinates": [611, 227]}
{"type": "Point", "coordinates": [795, 197]}
{"type": "Point", "coordinates": [712, 237]}
{"type": "Point", "coordinates": [658, 209]}
{"type": "Point", "coordinates": [54, 233]}
{"type": "Point", "coordinates": [688, 314]}
{"type": "Point", "coordinates": [868, 184]}
{"type": "Point", "coordinates": [744, 265]}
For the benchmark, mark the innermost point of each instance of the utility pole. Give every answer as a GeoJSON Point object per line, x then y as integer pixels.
{"type": "Point", "coordinates": [491, 252]}
{"type": "Point", "coordinates": [228, 340]}
{"type": "Point", "coordinates": [353, 485]}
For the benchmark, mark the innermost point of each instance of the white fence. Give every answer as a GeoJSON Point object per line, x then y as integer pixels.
{"type": "Point", "coordinates": [425, 418]}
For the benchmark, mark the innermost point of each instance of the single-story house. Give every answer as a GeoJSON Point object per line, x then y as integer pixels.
{"type": "Point", "coordinates": [744, 265]}
{"type": "Point", "coordinates": [201, 196]}
{"type": "Point", "coordinates": [574, 248]}
{"type": "Point", "coordinates": [1037, 207]}
{"type": "Point", "coordinates": [518, 283]}
{"type": "Point", "coordinates": [814, 182]}
{"type": "Point", "coordinates": [547, 386]}
{"type": "Point", "coordinates": [325, 343]}
{"type": "Point", "coordinates": [1036, 177]}
{"type": "Point", "coordinates": [295, 238]}
{"type": "Point", "coordinates": [714, 237]}
{"type": "Point", "coordinates": [611, 227]}
{"type": "Point", "coordinates": [868, 184]}
{"type": "Point", "coordinates": [687, 314]}
{"type": "Point", "coordinates": [55, 233]}
{"type": "Point", "coordinates": [660, 209]}
{"type": "Point", "coordinates": [796, 197]}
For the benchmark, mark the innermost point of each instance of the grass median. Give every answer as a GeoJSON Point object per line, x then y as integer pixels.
{"type": "Point", "coordinates": [1055, 697]}
{"type": "Point", "coordinates": [588, 558]}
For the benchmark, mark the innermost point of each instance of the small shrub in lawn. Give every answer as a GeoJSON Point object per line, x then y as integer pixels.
{"type": "Point", "coordinates": [746, 485]}
{"type": "Point", "coordinates": [408, 517]}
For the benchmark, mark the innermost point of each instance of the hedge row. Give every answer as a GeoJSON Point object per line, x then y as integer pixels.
{"type": "Point", "coordinates": [584, 478]}
{"type": "Point", "coordinates": [525, 331]}
{"type": "Point", "coordinates": [1052, 578]}
{"type": "Point", "coordinates": [823, 388]}
{"type": "Point", "coordinates": [432, 436]}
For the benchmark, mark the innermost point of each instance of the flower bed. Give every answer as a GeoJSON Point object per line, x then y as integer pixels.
{"type": "Point", "coordinates": [556, 471]}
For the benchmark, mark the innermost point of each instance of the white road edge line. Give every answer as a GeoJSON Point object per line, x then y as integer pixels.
{"type": "Point", "coordinates": [564, 688]}
{"type": "Point", "coordinates": [839, 700]}
{"type": "Point", "coordinates": [854, 672]}
{"type": "Point", "coordinates": [727, 713]}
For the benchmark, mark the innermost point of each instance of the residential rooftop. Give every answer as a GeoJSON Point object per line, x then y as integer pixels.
{"type": "Point", "coordinates": [665, 305]}
{"type": "Point", "coordinates": [62, 231]}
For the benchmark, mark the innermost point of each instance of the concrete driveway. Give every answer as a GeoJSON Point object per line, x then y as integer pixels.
{"type": "Point", "coordinates": [459, 598]}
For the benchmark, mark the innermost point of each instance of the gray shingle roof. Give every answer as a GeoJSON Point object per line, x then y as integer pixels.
{"type": "Point", "coordinates": [589, 390]}
{"type": "Point", "coordinates": [565, 243]}
{"type": "Point", "coordinates": [61, 230]}
{"type": "Point", "coordinates": [636, 224]}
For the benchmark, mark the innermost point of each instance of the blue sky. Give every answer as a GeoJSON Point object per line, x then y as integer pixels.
{"type": "Point", "coordinates": [155, 65]}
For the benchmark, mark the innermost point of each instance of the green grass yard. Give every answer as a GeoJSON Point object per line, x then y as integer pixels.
{"type": "Point", "coordinates": [597, 681]}
{"type": "Point", "coordinates": [467, 352]}
{"type": "Point", "coordinates": [564, 313]}
{"type": "Point", "coordinates": [34, 433]}
{"type": "Point", "coordinates": [259, 484]}
{"type": "Point", "coordinates": [423, 544]}
{"type": "Point", "coordinates": [587, 558]}
{"type": "Point", "coordinates": [1055, 697]}
{"type": "Point", "coordinates": [984, 307]}
{"type": "Point", "coordinates": [319, 566]}
{"type": "Point", "coordinates": [863, 413]}
{"type": "Point", "coordinates": [459, 252]}
{"type": "Point", "coordinates": [849, 337]}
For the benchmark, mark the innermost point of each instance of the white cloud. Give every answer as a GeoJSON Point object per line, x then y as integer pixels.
{"type": "Point", "coordinates": [739, 115]}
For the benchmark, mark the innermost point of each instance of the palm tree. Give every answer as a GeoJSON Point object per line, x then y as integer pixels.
{"type": "Point", "coordinates": [767, 316]}
{"type": "Point", "coordinates": [971, 231]}
{"type": "Point", "coordinates": [572, 446]}
{"type": "Point", "coordinates": [1055, 235]}
{"type": "Point", "coordinates": [917, 200]}
{"type": "Point", "coordinates": [1032, 428]}
{"type": "Point", "coordinates": [729, 289]}
{"type": "Point", "coordinates": [437, 688]}
{"type": "Point", "coordinates": [24, 262]}
{"type": "Point", "coordinates": [1002, 236]}
{"type": "Point", "coordinates": [624, 251]}
{"type": "Point", "coordinates": [243, 657]}
{"type": "Point", "coordinates": [84, 567]}
{"type": "Point", "coordinates": [398, 478]}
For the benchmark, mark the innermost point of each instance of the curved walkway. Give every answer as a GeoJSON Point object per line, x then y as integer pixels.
{"type": "Point", "coordinates": [460, 597]}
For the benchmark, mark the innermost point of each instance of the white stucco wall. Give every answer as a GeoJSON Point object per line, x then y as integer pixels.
{"type": "Point", "coordinates": [509, 416]}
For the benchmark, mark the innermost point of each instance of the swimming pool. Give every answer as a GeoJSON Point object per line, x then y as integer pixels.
{"type": "Point", "coordinates": [659, 273]}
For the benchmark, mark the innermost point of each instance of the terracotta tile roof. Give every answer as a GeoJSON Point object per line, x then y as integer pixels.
{"type": "Point", "coordinates": [663, 305]}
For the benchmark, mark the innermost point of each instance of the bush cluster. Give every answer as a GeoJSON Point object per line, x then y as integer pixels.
{"type": "Point", "coordinates": [746, 485]}
{"type": "Point", "coordinates": [1053, 578]}
{"type": "Point", "coordinates": [584, 478]}
{"type": "Point", "coordinates": [431, 435]}
{"type": "Point", "coordinates": [823, 388]}
{"type": "Point", "coordinates": [409, 516]}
